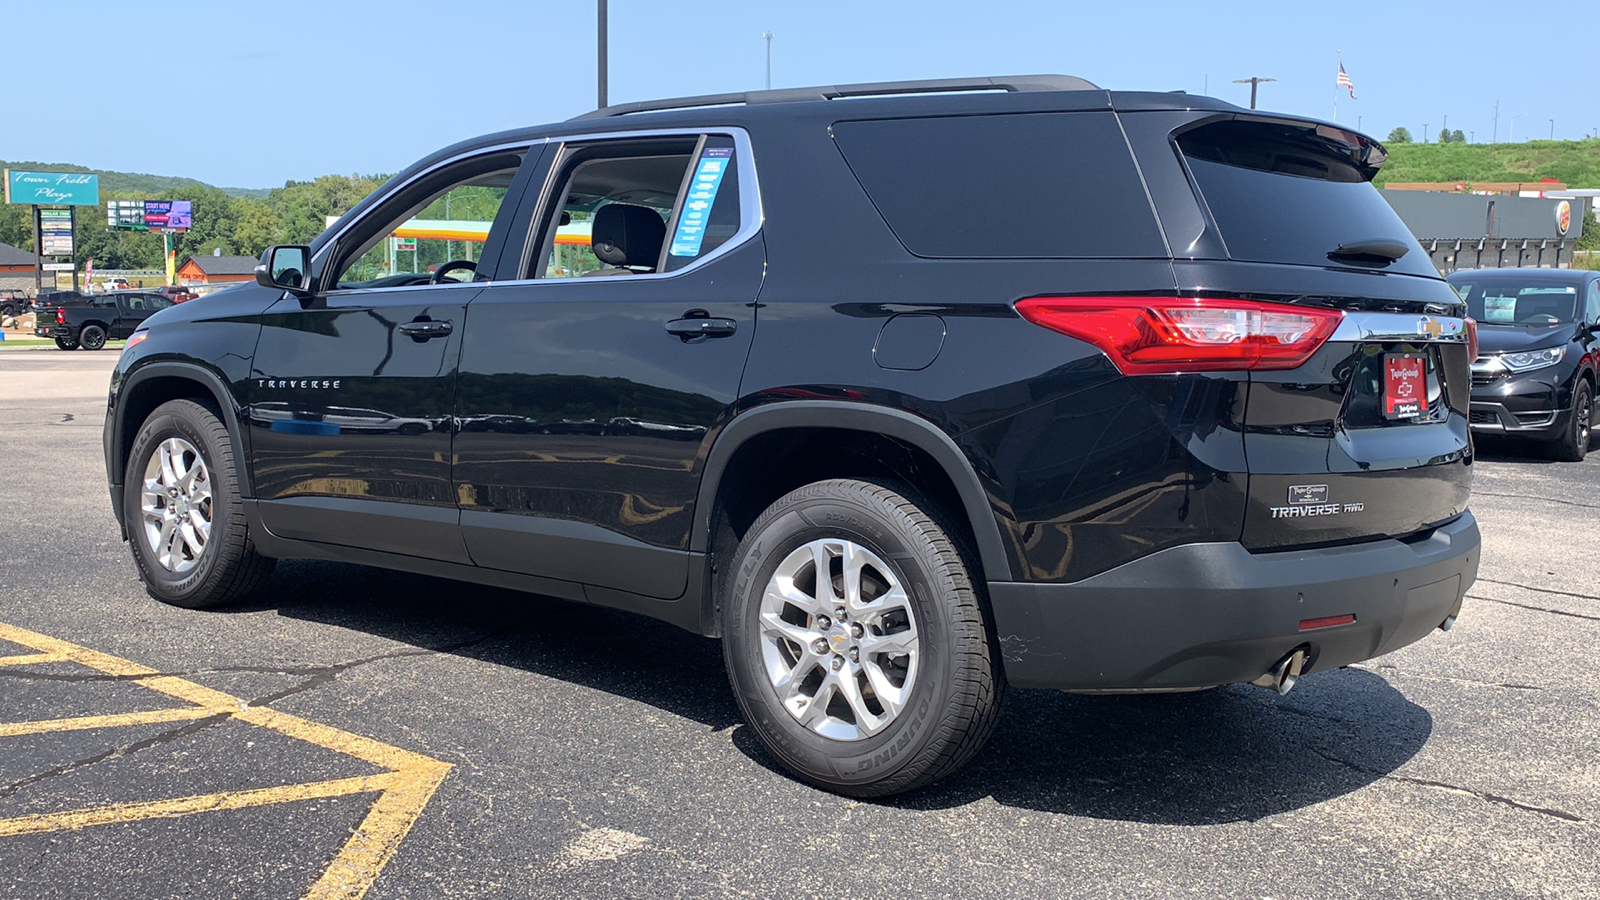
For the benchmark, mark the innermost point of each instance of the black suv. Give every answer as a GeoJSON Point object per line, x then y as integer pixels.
{"type": "Point", "coordinates": [1535, 379]}
{"type": "Point", "coordinates": [906, 398]}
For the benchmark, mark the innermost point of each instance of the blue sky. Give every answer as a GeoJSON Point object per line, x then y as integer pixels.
{"type": "Point", "coordinates": [251, 95]}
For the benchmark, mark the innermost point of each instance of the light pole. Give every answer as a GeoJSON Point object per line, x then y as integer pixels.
{"type": "Point", "coordinates": [1253, 81]}
{"type": "Point", "coordinates": [1424, 132]}
{"type": "Point", "coordinates": [601, 9]}
{"type": "Point", "coordinates": [768, 36]}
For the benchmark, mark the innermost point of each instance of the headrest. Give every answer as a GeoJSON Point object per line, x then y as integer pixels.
{"type": "Point", "coordinates": [627, 235]}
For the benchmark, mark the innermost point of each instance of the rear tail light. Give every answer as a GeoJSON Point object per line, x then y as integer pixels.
{"type": "Point", "coordinates": [61, 317]}
{"type": "Point", "coordinates": [1165, 335]}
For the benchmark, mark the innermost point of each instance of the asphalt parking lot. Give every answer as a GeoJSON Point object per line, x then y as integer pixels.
{"type": "Point", "coordinates": [356, 730]}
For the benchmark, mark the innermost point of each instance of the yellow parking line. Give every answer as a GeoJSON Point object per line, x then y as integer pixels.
{"type": "Point", "coordinates": [30, 659]}
{"type": "Point", "coordinates": [120, 720]}
{"type": "Point", "coordinates": [403, 791]}
{"type": "Point", "coordinates": [72, 820]}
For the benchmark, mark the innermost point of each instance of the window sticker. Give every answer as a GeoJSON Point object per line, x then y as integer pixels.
{"type": "Point", "coordinates": [714, 162]}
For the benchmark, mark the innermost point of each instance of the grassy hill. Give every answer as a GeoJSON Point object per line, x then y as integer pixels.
{"type": "Point", "coordinates": [132, 182]}
{"type": "Point", "coordinates": [1577, 163]}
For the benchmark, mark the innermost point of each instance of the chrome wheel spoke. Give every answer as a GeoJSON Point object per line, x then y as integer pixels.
{"type": "Point", "coordinates": [841, 656]}
{"type": "Point", "coordinates": [175, 503]}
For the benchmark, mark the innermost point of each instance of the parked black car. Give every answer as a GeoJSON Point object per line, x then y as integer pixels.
{"type": "Point", "coordinates": [14, 302]}
{"type": "Point", "coordinates": [1534, 377]}
{"type": "Point", "coordinates": [99, 318]}
{"type": "Point", "coordinates": [1021, 382]}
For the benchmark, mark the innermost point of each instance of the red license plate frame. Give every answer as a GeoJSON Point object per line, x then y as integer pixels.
{"type": "Point", "coordinates": [1405, 385]}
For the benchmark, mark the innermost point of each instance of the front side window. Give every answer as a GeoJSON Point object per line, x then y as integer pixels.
{"type": "Point", "coordinates": [640, 207]}
{"type": "Point", "coordinates": [1592, 303]}
{"type": "Point", "coordinates": [431, 233]}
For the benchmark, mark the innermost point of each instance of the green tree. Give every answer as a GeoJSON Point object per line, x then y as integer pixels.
{"type": "Point", "coordinates": [1401, 135]}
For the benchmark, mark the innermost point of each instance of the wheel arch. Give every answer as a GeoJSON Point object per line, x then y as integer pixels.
{"type": "Point", "coordinates": [947, 476]}
{"type": "Point", "coordinates": [152, 385]}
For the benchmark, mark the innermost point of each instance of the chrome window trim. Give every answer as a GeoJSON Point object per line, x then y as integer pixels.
{"type": "Point", "coordinates": [345, 224]}
{"type": "Point", "coordinates": [1397, 326]}
{"type": "Point", "coordinates": [751, 215]}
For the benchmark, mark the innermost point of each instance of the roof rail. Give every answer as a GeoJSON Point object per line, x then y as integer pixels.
{"type": "Point", "coordinates": [1009, 83]}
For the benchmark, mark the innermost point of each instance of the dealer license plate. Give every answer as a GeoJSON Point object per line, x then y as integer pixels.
{"type": "Point", "coordinates": [1405, 385]}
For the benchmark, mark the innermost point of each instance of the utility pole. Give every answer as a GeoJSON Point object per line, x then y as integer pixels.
{"type": "Point", "coordinates": [1552, 129]}
{"type": "Point", "coordinates": [1444, 130]}
{"type": "Point", "coordinates": [602, 53]}
{"type": "Point", "coordinates": [1424, 132]}
{"type": "Point", "coordinates": [1253, 81]}
{"type": "Point", "coordinates": [1495, 135]}
{"type": "Point", "coordinates": [768, 36]}
{"type": "Point", "coordinates": [1511, 133]}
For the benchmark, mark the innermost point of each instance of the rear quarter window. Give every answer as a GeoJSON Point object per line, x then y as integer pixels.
{"type": "Point", "coordinates": [1017, 186]}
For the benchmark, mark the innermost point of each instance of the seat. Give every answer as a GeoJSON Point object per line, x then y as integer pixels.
{"type": "Point", "coordinates": [626, 237]}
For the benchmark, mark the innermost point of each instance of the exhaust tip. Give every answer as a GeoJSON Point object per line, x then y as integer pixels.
{"type": "Point", "coordinates": [1284, 675]}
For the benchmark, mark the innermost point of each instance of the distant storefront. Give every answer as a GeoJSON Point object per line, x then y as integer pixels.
{"type": "Point", "coordinates": [217, 269]}
{"type": "Point", "coordinates": [1481, 231]}
{"type": "Point", "coordinates": [16, 269]}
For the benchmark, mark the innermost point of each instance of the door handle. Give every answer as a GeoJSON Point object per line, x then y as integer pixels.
{"type": "Point", "coordinates": [423, 329]}
{"type": "Point", "coordinates": [691, 327]}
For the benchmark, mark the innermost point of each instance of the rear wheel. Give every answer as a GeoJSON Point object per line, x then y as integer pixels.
{"type": "Point", "coordinates": [1574, 441]}
{"type": "Point", "coordinates": [181, 504]}
{"type": "Point", "coordinates": [92, 337]}
{"type": "Point", "coordinates": [855, 640]}
{"type": "Point", "coordinates": [66, 343]}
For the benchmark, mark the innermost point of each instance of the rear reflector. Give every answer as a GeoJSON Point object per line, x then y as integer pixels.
{"type": "Point", "coordinates": [1326, 622]}
{"type": "Point", "coordinates": [1168, 335]}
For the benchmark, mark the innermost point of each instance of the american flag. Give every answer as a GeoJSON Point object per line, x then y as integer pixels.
{"type": "Point", "coordinates": [1345, 82]}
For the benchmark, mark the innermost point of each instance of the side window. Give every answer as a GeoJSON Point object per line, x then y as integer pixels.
{"type": "Point", "coordinates": [1591, 303]}
{"type": "Point", "coordinates": [432, 232]}
{"type": "Point", "coordinates": [154, 302]}
{"type": "Point", "coordinates": [639, 207]}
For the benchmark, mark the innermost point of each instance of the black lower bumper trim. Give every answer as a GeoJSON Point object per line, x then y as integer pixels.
{"type": "Point", "coordinates": [1208, 614]}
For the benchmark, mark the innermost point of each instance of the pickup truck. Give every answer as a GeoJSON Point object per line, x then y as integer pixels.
{"type": "Point", "coordinates": [98, 319]}
{"type": "Point", "coordinates": [13, 303]}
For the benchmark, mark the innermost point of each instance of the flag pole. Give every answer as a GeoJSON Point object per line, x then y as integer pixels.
{"type": "Point", "coordinates": [1340, 61]}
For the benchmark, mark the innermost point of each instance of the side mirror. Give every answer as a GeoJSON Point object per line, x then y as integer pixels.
{"type": "Point", "coordinates": [286, 267]}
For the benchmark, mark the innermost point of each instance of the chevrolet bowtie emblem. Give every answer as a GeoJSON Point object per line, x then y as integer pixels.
{"type": "Point", "coordinates": [1430, 327]}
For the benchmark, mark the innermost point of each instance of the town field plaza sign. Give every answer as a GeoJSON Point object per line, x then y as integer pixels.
{"type": "Point", "coordinates": [52, 188]}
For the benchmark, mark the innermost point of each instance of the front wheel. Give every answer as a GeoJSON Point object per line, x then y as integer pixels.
{"type": "Point", "coordinates": [67, 343]}
{"type": "Point", "coordinates": [855, 640]}
{"type": "Point", "coordinates": [181, 504]}
{"type": "Point", "coordinates": [1574, 441]}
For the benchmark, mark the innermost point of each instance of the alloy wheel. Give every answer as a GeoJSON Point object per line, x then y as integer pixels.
{"type": "Point", "coordinates": [176, 505]}
{"type": "Point", "coordinates": [839, 639]}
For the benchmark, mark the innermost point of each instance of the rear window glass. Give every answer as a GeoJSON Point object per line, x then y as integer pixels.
{"type": "Point", "coordinates": [1283, 193]}
{"type": "Point", "coordinates": [1040, 185]}
{"type": "Point", "coordinates": [1525, 301]}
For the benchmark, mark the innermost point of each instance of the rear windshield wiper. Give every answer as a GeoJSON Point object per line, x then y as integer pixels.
{"type": "Point", "coordinates": [1374, 252]}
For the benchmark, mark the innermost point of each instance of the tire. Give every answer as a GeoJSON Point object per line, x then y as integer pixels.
{"type": "Point", "coordinates": [896, 721]}
{"type": "Point", "coordinates": [182, 472]}
{"type": "Point", "coordinates": [1574, 440]}
{"type": "Point", "coordinates": [66, 343]}
{"type": "Point", "coordinates": [92, 337]}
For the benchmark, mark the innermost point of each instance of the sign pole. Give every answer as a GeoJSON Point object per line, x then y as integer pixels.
{"type": "Point", "coordinates": [72, 222]}
{"type": "Point", "coordinates": [38, 254]}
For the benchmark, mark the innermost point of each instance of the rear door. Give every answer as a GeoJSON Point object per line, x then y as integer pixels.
{"type": "Point", "coordinates": [592, 383]}
{"type": "Point", "coordinates": [1369, 438]}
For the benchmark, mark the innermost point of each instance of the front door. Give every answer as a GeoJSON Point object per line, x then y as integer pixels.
{"type": "Point", "coordinates": [352, 389]}
{"type": "Point", "coordinates": [591, 386]}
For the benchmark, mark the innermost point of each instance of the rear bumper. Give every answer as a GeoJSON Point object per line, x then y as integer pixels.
{"type": "Point", "coordinates": [1208, 614]}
